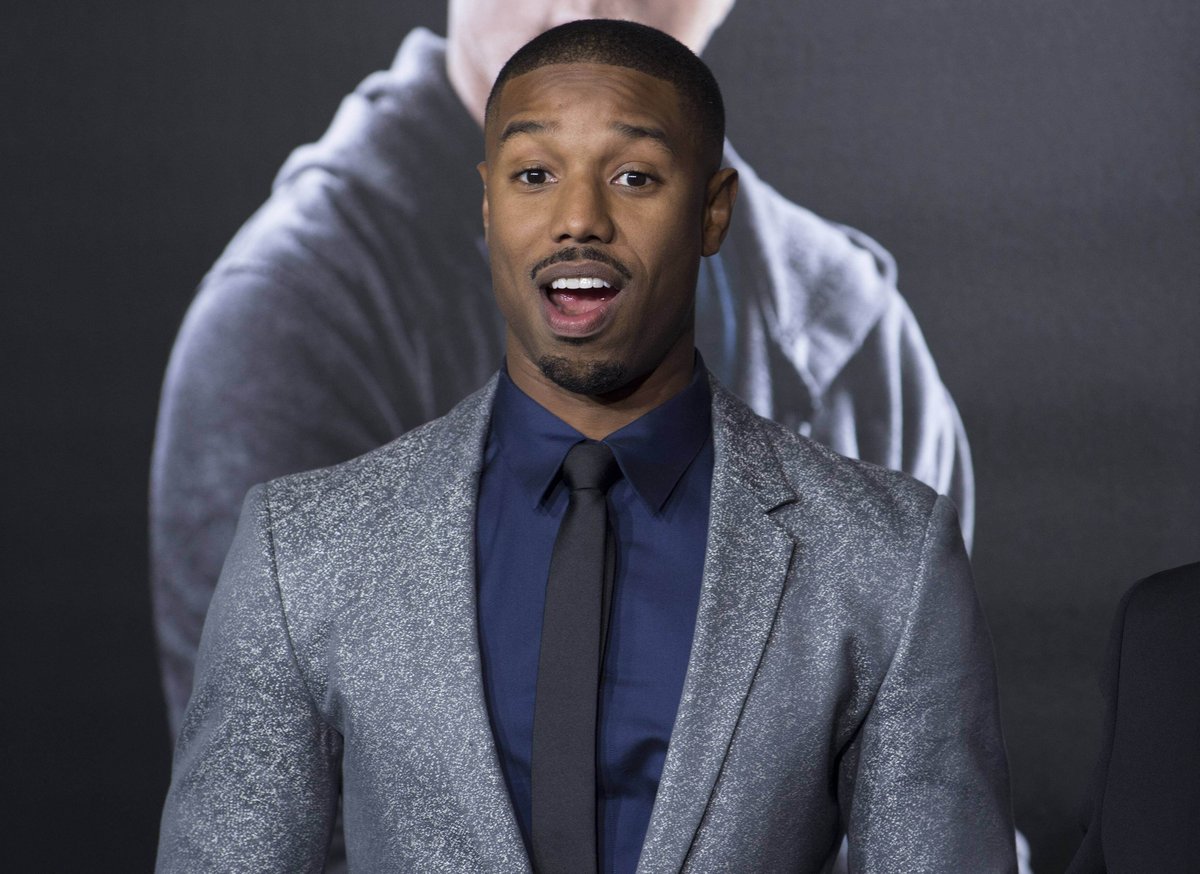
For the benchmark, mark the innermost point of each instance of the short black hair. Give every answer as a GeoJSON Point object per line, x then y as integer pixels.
{"type": "Point", "coordinates": [636, 47]}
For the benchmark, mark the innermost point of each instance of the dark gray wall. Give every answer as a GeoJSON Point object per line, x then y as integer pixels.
{"type": "Point", "coordinates": [1031, 164]}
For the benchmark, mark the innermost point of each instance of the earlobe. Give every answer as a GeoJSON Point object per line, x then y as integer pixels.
{"type": "Point", "coordinates": [718, 208]}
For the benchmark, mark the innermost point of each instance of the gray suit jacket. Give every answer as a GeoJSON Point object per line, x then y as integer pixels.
{"type": "Point", "coordinates": [841, 676]}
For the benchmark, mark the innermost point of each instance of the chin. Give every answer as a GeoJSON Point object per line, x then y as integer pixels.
{"type": "Point", "coordinates": [584, 377]}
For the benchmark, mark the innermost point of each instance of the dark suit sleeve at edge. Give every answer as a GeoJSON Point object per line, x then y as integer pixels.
{"type": "Point", "coordinates": [254, 784]}
{"type": "Point", "coordinates": [1089, 858]}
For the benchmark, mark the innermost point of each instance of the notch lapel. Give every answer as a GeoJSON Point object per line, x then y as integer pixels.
{"type": "Point", "coordinates": [745, 565]}
{"type": "Point", "coordinates": [438, 591]}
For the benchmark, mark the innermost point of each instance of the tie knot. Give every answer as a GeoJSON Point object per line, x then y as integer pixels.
{"type": "Point", "coordinates": [590, 466]}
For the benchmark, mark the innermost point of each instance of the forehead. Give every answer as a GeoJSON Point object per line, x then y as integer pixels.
{"type": "Point", "coordinates": [562, 96]}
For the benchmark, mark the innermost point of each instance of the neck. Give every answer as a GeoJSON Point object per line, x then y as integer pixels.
{"type": "Point", "coordinates": [597, 416]}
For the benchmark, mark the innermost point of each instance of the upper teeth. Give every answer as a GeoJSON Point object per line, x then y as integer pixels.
{"type": "Point", "coordinates": [580, 282]}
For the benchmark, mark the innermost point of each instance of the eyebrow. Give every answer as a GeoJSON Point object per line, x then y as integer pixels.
{"type": "Point", "coordinates": [639, 132]}
{"type": "Point", "coordinates": [513, 128]}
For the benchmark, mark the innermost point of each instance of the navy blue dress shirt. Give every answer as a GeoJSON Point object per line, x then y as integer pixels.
{"type": "Point", "coordinates": [659, 514]}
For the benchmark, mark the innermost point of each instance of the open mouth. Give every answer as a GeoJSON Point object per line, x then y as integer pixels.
{"type": "Point", "coordinates": [580, 295]}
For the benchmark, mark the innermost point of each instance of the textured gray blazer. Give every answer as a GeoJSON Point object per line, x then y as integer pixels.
{"type": "Point", "coordinates": [840, 679]}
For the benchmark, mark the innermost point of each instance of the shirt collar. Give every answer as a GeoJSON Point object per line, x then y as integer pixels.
{"type": "Point", "coordinates": [653, 451]}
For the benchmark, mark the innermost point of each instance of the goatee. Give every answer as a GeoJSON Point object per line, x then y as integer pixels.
{"type": "Point", "coordinates": [583, 377]}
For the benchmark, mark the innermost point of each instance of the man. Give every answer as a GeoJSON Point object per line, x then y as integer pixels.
{"type": "Point", "coordinates": [1144, 801]}
{"type": "Point", "coordinates": [774, 644]}
{"type": "Point", "coordinates": [356, 305]}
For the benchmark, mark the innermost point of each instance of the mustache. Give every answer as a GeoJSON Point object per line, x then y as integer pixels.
{"type": "Point", "coordinates": [580, 253]}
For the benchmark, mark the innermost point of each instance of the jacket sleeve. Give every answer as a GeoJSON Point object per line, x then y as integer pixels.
{"type": "Point", "coordinates": [927, 789]}
{"type": "Point", "coordinates": [1089, 858]}
{"type": "Point", "coordinates": [255, 779]}
{"type": "Point", "coordinates": [888, 406]}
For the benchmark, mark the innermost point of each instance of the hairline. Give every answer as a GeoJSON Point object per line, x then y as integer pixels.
{"type": "Point", "coordinates": [498, 88]}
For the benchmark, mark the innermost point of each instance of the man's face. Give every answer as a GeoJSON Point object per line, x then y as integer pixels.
{"type": "Point", "coordinates": [597, 207]}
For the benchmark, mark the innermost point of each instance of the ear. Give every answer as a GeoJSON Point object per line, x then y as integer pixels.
{"type": "Point", "coordinates": [718, 208]}
{"type": "Point", "coordinates": [482, 167]}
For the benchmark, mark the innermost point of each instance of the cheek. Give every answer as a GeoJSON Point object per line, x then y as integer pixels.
{"type": "Point", "coordinates": [507, 302]}
{"type": "Point", "coordinates": [678, 240]}
{"type": "Point", "coordinates": [511, 228]}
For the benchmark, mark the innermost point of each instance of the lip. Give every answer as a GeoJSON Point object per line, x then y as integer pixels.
{"type": "Point", "coordinates": [578, 269]}
{"type": "Point", "coordinates": [593, 319]}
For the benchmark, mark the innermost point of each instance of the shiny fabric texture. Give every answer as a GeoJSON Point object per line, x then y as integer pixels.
{"type": "Point", "coordinates": [841, 676]}
{"type": "Point", "coordinates": [356, 304]}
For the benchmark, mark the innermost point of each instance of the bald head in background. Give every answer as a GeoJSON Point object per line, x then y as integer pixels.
{"type": "Point", "coordinates": [482, 35]}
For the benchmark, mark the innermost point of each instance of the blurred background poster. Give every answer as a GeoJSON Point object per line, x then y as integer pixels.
{"type": "Point", "coordinates": [1030, 166]}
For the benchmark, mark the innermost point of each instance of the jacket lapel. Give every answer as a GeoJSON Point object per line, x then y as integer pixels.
{"type": "Point", "coordinates": [745, 566]}
{"type": "Point", "coordinates": [450, 468]}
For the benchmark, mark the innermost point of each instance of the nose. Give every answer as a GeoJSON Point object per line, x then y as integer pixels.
{"type": "Point", "coordinates": [582, 212]}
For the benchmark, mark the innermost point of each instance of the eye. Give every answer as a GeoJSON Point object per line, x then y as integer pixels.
{"type": "Point", "coordinates": [633, 179]}
{"type": "Point", "coordinates": [534, 176]}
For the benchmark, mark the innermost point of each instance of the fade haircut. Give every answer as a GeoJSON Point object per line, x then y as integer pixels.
{"type": "Point", "coordinates": [635, 47]}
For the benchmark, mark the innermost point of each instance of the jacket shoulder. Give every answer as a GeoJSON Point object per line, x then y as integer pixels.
{"type": "Point", "coordinates": [392, 476]}
{"type": "Point", "coordinates": [838, 486]}
{"type": "Point", "coordinates": [1167, 591]}
{"type": "Point", "coordinates": [1155, 626]}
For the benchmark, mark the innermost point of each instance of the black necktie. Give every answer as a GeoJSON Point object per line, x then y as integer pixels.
{"type": "Point", "coordinates": [563, 769]}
